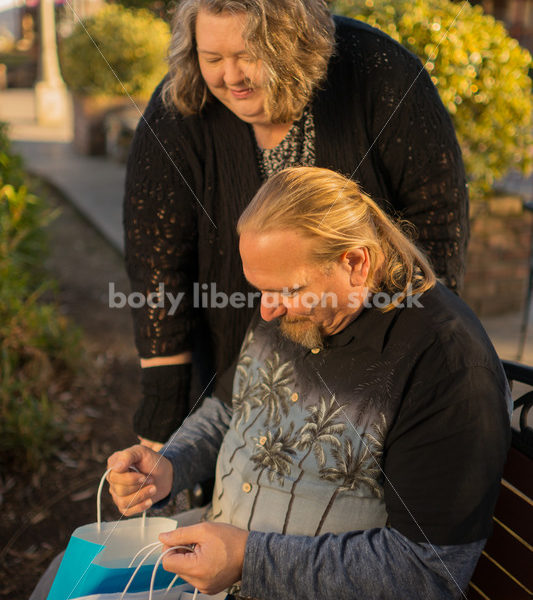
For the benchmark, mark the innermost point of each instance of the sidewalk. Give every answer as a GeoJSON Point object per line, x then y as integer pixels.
{"type": "Point", "coordinates": [95, 186]}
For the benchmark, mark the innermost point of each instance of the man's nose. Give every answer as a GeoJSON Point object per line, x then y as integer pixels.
{"type": "Point", "coordinates": [271, 308]}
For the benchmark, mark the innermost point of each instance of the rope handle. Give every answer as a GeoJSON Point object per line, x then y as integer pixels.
{"type": "Point", "coordinates": [172, 582]}
{"type": "Point", "coordinates": [141, 551]}
{"type": "Point", "coordinates": [151, 549]}
{"type": "Point", "coordinates": [99, 502]}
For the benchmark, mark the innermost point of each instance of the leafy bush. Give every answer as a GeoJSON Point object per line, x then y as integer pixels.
{"type": "Point", "coordinates": [480, 71]}
{"type": "Point", "coordinates": [37, 346]}
{"type": "Point", "coordinates": [160, 8]}
{"type": "Point", "coordinates": [134, 44]}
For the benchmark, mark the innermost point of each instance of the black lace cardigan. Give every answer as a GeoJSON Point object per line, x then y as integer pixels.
{"type": "Point", "coordinates": [378, 118]}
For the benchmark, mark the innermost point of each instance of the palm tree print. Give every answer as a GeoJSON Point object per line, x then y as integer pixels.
{"type": "Point", "coordinates": [244, 392]}
{"type": "Point", "coordinates": [244, 385]}
{"type": "Point", "coordinates": [375, 440]}
{"type": "Point", "coordinates": [379, 373]}
{"type": "Point", "coordinates": [322, 427]}
{"type": "Point", "coordinates": [352, 470]}
{"type": "Point", "coordinates": [275, 455]}
{"type": "Point", "coordinates": [273, 393]}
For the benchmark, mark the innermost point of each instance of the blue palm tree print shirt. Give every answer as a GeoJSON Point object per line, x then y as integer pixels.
{"type": "Point", "coordinates": [368, 468]}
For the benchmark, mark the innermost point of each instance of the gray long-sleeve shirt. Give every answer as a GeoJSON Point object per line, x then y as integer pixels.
{"type": "Point", "coordinates": [374, 564]}
{"type": "Point", "coordinates": [366, 469]}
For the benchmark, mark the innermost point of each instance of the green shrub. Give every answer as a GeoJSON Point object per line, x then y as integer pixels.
{"type": "Point", "coordinates": [134, 44]}
{"type": "Point", "coordinates": [10, 164]}
{"type": "Point", "coordinates": [160, 8]}
{"type": "Point", "coordinates": [38, 347]}
{"type": "Point", "coordinates": [480, 71]}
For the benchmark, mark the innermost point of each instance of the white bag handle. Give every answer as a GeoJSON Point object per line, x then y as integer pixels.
{"type": "Point", "coordinates": [141, 551]}
{"type": "Point", "coordinates": [152, 548]}
{"type": "Point", "coordinates": [99, 502]}
{"type": "Point", "coordinates": [148, 546]}
{"type": "Point", "coordinates": [157, 565]}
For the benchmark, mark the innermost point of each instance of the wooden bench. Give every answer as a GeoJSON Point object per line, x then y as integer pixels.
{"type": "Point", "coordinates": [505, 569]}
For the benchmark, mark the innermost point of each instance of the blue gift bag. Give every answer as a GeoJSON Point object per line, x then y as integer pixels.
{"type": "Point", "coordinates": [181, 591]}
{"type": "Point", "coordinates": [98, 556]}
{"type": "Point", "coordinates": [97, 561]}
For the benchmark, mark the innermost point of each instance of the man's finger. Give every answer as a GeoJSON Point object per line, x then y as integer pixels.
{"type": "Point", "coordinates": [136, 502]}
{"type": "Point", "coordinates": [128, 478]}
{"type": "Point", "coordinates": [182, 536]}
{"type": "Point", "coordinates": [123, 460]}
{"type": "Point", "coordinates": [128, 490]}
{"type": "Point", "coordinates": [155, 446]}
{"type": "Point", "coordinates": [183, 562]}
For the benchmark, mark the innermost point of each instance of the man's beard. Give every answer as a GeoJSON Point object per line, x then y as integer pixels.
{"type": "Point", "coordinates": [302, 331]}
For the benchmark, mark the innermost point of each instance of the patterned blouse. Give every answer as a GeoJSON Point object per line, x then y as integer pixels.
{"type": "Point", "coordinates": [296, 149]}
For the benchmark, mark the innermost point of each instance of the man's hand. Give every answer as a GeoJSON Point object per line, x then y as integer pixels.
{"type": "Point", "coordinates": [155, 446]}
{"type": "Point", "coordinates": [216, 560]}
{"type": "Point", "coordinates": [136, 492]}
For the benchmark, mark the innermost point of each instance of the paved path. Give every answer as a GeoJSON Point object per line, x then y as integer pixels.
{"type": "Point", "coordinates": [94, 186]}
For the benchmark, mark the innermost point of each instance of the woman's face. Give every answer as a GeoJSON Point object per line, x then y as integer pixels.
{"type": "Point", "coordinates": [228, 70]}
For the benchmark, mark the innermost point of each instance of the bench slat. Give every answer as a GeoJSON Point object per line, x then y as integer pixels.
{"type": "Point", "coordinates": [512, 555]}
{"type": "Point", "coordinates": [473, 593]}
{"type": "Point", "coordinates": [517, 472]}
{"type": "Point", "coordinates": [495, 583]}
{"type": "Point", "coordinates": [515, 512]}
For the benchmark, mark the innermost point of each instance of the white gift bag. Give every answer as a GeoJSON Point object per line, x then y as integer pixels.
{"type": "Point", "coordinates": [182, 591]}
{"type": "Point", "coordinates": [97, 558]}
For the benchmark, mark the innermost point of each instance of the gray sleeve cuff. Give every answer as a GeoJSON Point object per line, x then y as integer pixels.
{"type": "Point", "coordinates": [356, 565]}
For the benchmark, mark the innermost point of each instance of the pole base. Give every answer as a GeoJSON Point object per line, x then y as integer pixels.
{"type": "Point", "coordinates": [52, 104]}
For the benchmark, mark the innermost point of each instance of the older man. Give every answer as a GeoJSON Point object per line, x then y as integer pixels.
{"type": "Point", "coordinates": [360, 446]}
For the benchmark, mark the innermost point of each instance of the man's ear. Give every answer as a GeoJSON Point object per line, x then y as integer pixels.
{"type": "Point", "coordinates": [357, 260]}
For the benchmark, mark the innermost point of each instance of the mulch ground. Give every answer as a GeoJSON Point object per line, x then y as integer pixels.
{"type": "Point", "coordinates": [41, 508]}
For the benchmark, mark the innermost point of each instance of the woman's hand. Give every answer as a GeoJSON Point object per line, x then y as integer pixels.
{"type": "Point", "coordinates": [155, 446]}
{"type": "Point", "coordinates": [135, 492]}
{"type": "Point", "coordinates": [216, 559]}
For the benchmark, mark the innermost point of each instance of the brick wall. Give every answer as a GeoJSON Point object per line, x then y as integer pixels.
{"type": "Point", "coordinates": [497, 266]}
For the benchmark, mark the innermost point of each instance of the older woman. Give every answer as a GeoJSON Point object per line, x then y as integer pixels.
{"type": "Point", "coordinates": [255, 86]}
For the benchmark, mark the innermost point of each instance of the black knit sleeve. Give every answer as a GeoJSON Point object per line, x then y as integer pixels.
{"type": "Point", "coordinates": [161, 232]}
{"type": "Point", "coordinates": [161, 243]}
{"type": "Point", "coordinates": [417, 145]}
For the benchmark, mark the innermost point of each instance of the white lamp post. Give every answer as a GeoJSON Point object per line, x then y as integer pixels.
{"type": "Point", "coordinates": [51, 98]}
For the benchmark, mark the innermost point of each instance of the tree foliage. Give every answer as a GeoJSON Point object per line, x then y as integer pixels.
{"type": "Point", "coordinates": [480, 71]}
{"type": "Point", "coordinates": [118, 51]}
{"type": "Point", "coordinates": [161, 8]}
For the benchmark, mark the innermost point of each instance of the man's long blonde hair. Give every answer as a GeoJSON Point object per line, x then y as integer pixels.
{"type": "Point", "coordinates": [331, 209]}
{"type": "Point", "coordinates": [294, 39]}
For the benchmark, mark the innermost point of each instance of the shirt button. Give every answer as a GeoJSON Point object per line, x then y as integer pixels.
{"type": "Point", "coordinates": [294, 397]}
{"type": "Point", "coordinates": [246, 488]}
{"type": "Point", "coordinates": [262, 440]}
{"type": "Point", "coordinates": [315, 350]}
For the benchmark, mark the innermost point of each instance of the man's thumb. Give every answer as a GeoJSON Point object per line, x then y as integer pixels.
{"type": "Point", "coordinates": [123, 460]}
{"type": "Point", "coordinates": [180, 537]}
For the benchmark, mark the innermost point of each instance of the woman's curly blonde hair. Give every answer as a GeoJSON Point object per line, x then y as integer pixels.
{"type": "Point", "coordinates": [294, 39]}
{"type": "Point", "coordinates": [332, 210]}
